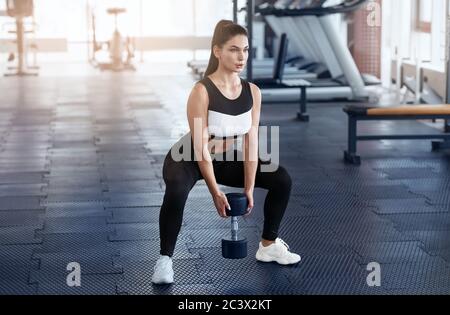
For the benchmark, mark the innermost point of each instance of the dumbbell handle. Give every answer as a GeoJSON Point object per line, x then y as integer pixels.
{"type": "Point", "coordinates": [234, 228]}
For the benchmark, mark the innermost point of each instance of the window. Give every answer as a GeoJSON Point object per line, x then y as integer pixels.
{"type": "Point", "coordinates": [423, 15]}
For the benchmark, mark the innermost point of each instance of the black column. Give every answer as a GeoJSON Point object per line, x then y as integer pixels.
{"type": "Point", "coordinates": [250, 14]}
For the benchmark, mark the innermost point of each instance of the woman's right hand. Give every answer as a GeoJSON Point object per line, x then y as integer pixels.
{"type": "Point", "coordinates": [221, 203]}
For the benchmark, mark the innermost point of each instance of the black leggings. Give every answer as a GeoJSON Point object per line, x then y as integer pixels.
{"type": "Point", "coordinates": [180, 178]}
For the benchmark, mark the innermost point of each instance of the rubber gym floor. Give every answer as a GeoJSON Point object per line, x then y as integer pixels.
{"type": "Point", "coordinates": [80, 181]}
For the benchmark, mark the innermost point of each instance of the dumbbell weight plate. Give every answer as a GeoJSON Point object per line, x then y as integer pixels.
{"type": "Point", "coordinates": [238, 203]}
{"type": "Point", "coordinates": [234, 249]}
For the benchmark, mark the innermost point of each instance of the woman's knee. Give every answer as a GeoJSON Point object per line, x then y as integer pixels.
{"type": "Point", "coordinates": [178, 181]}
{"type": "Point", "coordinates": [278, 180]}
{"type": "Point", "coordinates": [177, 172]}
{"type": "Point", "coordinates": [283, 179]}
{"type": "Point", "coordinates": [178, 185]}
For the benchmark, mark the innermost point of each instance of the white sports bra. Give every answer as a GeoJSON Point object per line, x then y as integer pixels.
{"type": "Point", "coordinates": [228, 118]}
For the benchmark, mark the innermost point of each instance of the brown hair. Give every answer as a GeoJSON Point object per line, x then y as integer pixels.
{"type": "Point", "coordinates": [223, 32]}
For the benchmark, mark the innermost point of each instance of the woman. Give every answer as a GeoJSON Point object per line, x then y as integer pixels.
{"type": "Point", "coordinates": [221, 108]}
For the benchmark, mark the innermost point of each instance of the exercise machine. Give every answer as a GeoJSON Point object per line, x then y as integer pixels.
{"type": "Point", "coordinates": [20, 9]}
{"type": "Point", "coordinates": [314, 37]}
{"type": "Point", "coordinates": [120, 49]}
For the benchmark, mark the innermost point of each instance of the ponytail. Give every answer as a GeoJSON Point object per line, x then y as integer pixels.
{"type": "Point", "coordinates": [223, 32]}
{"type": "Point", "coordinates": [213, 64]}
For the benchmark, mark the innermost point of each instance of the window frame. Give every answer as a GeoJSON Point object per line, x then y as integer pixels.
{"type": "Point", "coordinates": [422, 26]}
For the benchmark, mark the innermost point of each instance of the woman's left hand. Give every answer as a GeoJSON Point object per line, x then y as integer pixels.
{"type": "Point", "coordinates": [249, 194]}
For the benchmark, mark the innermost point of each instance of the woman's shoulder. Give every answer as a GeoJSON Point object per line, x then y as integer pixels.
{"type": "Point", "coordinates": [200, 88]}
{"type": "Point", "coordinates": [254, 89]}
{"type": "Point", "coordinates": [199, 93]}
{"type": "Point", "coordinates": [251, 85]}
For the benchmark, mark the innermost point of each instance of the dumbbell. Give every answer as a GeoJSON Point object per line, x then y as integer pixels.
{"type": "Point", "coordinates": [235, 247]}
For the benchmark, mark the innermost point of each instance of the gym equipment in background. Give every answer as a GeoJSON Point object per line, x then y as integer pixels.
{"type": "Point", "coordinates": [121, 50]}
{"type": "Point", "coordinates": [311, 31]}
{"type": "Point", "coordinates": [20, 9]}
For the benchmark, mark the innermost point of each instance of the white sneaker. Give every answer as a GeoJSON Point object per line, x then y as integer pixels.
{"type": "Point", "coordinates": [278, 252]}
{"type": "Point", "coordinates": [163, 272]}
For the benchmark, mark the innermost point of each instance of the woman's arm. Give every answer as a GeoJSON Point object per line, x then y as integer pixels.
{"type": "Point", "coordinates": [197, 112]}
{"type": "Point", "coordinates": [250, 146]}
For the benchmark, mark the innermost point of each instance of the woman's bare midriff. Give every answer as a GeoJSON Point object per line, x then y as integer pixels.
{"type": "Point", "coordinates": [220, 145]}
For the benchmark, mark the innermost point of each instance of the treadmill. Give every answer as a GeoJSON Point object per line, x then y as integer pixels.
{"type": "Point", "coordinates": [346, 82]}
{"type": "Point", "coordinates": [276, 81]}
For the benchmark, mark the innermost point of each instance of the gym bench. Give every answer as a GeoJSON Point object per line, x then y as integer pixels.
{"type": "Point", "coordinates": [411, 112]}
